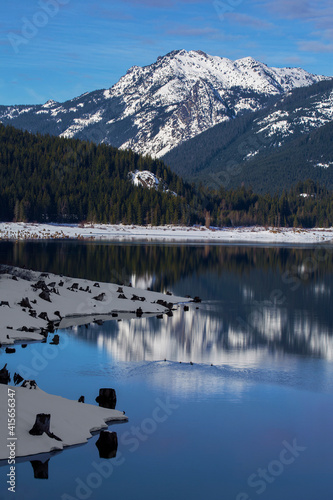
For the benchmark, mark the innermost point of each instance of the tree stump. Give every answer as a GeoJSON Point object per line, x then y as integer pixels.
{"type": "Point", "coordinates": [99, 297]}
{"type": "Point", "coordinates": [107, 444]}
{"type": "Point", "coordinates": [43, 315]}
{"type": "Point", "coordinates": [107, 398]}
{"type": "Point", "coordinates": [41, 425]}
{"type": "Point", "coordinates": [45, 295]}
{"type": "Point", "coordinates": [25, 303]}
{"type": "Point", "coordinates": [139, 312]}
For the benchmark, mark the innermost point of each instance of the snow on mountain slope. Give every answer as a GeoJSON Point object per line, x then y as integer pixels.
{"type": "Point", "coordinates": [281, 124]}
{"type": "Point", "coordinates": [154, 108]}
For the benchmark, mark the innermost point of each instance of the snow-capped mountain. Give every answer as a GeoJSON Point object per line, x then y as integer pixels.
{"type": "Point", "coordinates": [154, 108]}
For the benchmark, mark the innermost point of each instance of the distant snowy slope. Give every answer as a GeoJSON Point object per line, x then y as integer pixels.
{"type": "Point", "coordinates": [154, 108]}
{"type": "Point", "coordinates": [289, 137]}
{"type": "Point", "coordinates": [148, 180]}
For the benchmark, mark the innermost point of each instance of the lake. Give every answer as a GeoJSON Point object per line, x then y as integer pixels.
{"type": "Point", "coordinates": [230, 400]}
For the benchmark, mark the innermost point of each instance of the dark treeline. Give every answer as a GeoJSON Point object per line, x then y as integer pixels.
{"type": "Point", "coordinates": [306, 205]}
{"type": "Point", "coordinates": [44, 178]}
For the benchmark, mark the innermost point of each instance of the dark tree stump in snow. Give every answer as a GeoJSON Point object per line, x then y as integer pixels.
{"type": "Point", "coordinates": [81, 399]}
{"type": "Point", "coordinates": [50, 327]}
{"type": "Point", "coordinates": [186, 308]}
{"type": "Point", "coordinates": [4, 303]}
{"type": "Point", "coordinates": [25, 303]}
{"type": "Point", "coordinates": [41, 469]}
{"type": "Point", "coordinates": [107, 444]}
{"type": "Point", "coordinates": [120, 290]}
{"type": "Point", "coordinates": [139, 312]}
{"type": "Point", "coordinates": [41, 425]}
{"type": "Point", "coordinates": [99, 297]}
{"type": "Point", "coordinates": [97, 285]}
{"type": "Point", "coordinates": [107, 398]}
{"type": "Point", "coordinates": [164, 303]}
{"type": "Point", "coordinates": [45, 295]}
{"type": "Point", "coordinates": [43, 315]}
{"type": "Point", "coordinates": [121, 296]}
{"type": "Point", "coordinates": [4, 375]}
{"type": "Point", "coordinates": [40, 285]}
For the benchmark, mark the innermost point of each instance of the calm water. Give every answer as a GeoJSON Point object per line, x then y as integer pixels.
{"type": "Point", "coordinates": [250, 418]}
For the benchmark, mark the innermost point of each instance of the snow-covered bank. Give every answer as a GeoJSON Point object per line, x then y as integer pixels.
{"type": "Point", "coordinates": [71, 421]}
{"type": "Point", "coordinates": [258, 235]}
{"type": "Point", "coordinates": [30, 301]}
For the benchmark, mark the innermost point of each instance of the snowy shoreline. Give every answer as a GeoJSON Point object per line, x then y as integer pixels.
{"type": "Point", "coordinates": [34, 303]}
{"type": "Point", "coordinates": [106, 232]}
{"type": "Point", "coordinates": [32, 306]}
{"type": "Point", "coordinates": [84, 419]}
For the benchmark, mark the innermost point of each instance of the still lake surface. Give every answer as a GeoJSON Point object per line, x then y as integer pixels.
{"type": "Point", "coordinates": [250, 418]}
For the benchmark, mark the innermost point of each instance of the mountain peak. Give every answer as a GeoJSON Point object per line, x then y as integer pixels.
{"type": "Point", "coordinates": [153, 108]}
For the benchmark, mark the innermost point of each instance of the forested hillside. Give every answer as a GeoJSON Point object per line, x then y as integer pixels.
{"type": "Point", "coordinates": [45, 178]}
{"type": "Point", "coordinates": [269, 150]}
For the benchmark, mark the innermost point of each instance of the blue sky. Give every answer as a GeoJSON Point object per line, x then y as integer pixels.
{"type": "Point", "coordinates": [58, 49]}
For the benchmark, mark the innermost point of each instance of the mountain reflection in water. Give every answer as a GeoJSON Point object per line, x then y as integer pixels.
{"type": "Point", "coordinates": [276, 300]}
